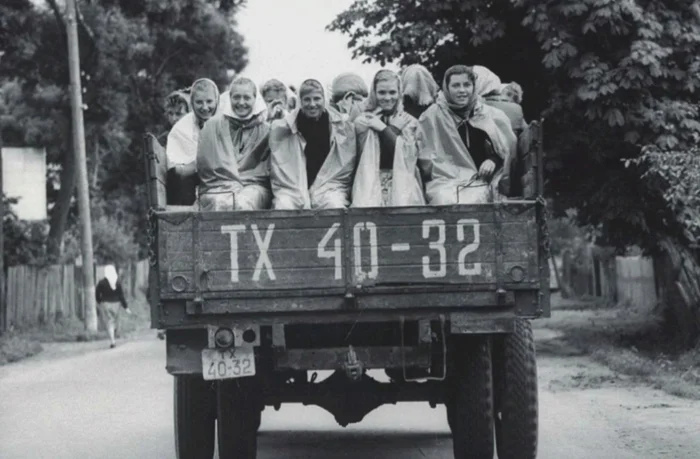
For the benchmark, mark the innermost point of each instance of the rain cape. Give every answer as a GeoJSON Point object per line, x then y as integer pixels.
{"type": "Point", "coordinates": [181, 147]}
{"type": "Point", "coordinates": [232, 163]}
{"type": "Point", "coordinates": [290, 187]}
{"type": "Point", "coordinates": [447, 167]}
{"type": "Point", "coordinates": [406, 185]}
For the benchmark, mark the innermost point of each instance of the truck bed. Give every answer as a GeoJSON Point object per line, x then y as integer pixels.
{"type": "Point", "coordinates": [277, 261]}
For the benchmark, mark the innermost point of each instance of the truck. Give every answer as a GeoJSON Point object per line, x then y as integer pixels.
{"type": "Point", "coordinates": [434, 301]}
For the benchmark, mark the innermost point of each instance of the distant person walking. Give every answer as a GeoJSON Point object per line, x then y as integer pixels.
{"type": "Point", "coordinates": [110, 296]}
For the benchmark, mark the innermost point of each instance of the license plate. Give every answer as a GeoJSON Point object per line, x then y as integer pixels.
{"type": "Point", "coordinates": [228, 363]}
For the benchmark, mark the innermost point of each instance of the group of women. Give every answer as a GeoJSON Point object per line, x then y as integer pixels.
{"type": "Point", "coordinates": [402, 141]}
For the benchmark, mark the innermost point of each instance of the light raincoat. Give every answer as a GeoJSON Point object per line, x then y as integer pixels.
{"type": "Point", "coordinates": [181, 147]}
{"type": "Point", "coordinates": [448, 168]}
{"type": "Point", "coordinates": [406, 185]}
{"type": "Point", "coordinates": [233, 162]}
{"type": "Point", "coordinates": [487, 82]}
{"type": "Point", "coordinates": [290, 187]}
{"type": "Point", "coordinates": [419, 85]}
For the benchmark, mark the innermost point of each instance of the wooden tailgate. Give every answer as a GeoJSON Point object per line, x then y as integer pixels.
{"type": "Point", "coordinates": [215, 254]}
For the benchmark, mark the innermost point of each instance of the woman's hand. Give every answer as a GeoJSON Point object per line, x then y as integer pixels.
{"type": "Point", "coordinates": [487, 169]}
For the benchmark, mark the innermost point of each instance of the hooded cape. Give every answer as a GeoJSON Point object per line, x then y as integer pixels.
{"type": "Point", "coordinates": [444, 160]}
{"type": "Point", "coordinates": [406, 184]}
{"type": "Point", "coordinates": [233, 155]}
{"type": "Point", "coordinates": [290, 187]}
{"type": "Point", "coordinates": [181, 147]}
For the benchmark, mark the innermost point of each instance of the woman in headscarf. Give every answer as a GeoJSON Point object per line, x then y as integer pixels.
{"type": "Point", "coordinates": [349, 92]}
{"type": "Point", "coordinates": [276, 95]}
{"type": "Point", "coordinates": [233, 154]}
{"type": "Point", "coordinates": [109, 296]}
{"type": "Point", "coordinates": [181, 149]}
{"type": "Point", "coordinates": [387, 174]}
{"type": "Point", "coordinates": [313, 154]}
{"type": "Point", "coordinates": [176, 105]}
{"type": "Point", "coordinates": [419, 89]}
{"type": "Point", "coordinates": [489, 86]}
{"type": "Point", "coordinates": [462, 143]}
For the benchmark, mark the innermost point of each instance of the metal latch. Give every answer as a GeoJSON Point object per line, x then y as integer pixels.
{"type": "Point", "coordinates": [352, 366]}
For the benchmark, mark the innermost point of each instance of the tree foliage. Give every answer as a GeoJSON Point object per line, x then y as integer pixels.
{"type": "Point", "coordinates": [132, 55]}
{"type": "Point", "coordinates": [609, 77]}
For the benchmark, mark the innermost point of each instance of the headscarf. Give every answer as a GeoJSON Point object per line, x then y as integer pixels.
{"type": "Point", "coordinates": [487, 82]}
{"type": "Point", "coordinates": [344, 84]}
{"type": "Point", "coordinates": [384, 75]}
{"type": "Point", "coordinates": [419, 85]}
{"type": "Point", "coordinates": [465, 110]}
{"type": "Point", "coordinates": [111, 276]}
{"type": "Point", "coordinates": [198, 84]}
{"type": "Point", "coordinates": [258, 104]}
{"type": "Point", "coordinates": [310, 85]}
{"type": "Point", "coordinates": [348, 82]}
{"type": "Point", "coordinates": [177, 98]}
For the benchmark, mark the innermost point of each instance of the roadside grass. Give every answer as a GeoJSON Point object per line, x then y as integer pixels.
{"type": "Point", "coordinates": [15, 347]}
{"type": "Point", "coordinates": [628, 340]}
{"type": "Point", "coordinates": [26, 342]}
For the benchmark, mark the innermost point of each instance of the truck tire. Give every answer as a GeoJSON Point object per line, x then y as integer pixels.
{"type": "Point", "coordinates": [515, 393]}
{"type": "Point", "coordinates": [195, 417]}
{"type": "Point", "coordinates": [470, 398]}
{"type": "Point", "coordinates": [238, 417]}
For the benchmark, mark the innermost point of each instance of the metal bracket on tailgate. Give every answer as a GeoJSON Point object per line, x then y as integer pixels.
{"type": "Point", "coordinates": [498, 230]}
{"type": "Point", "coordinates": [197, 272]}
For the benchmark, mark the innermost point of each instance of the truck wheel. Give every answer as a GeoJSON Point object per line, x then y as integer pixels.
{"type": "Point", "coordinates": [195, 416]}
{"type": "Point", "coordinates": [470, 398]}
{"type": "Point", "coordinates": [238, 419]}
{"type": "Point", "coordinates": [515, 392]}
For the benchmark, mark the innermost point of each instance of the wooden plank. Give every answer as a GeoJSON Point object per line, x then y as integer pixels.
{"type": "Point", "coordinates": [289, 258]}
{"type": "Point", "coordinates": [221, 280]}
{"type": "Point", "coordinates": [365, 301]}
{"type": "Point", "coordinates": [182, 221]}
{"type": "Point", "coordinates": [11, 301]}
{"type": "Point", "coordinates": [176, 243]}
{"type": "Point", "coordinates": [156, 170]}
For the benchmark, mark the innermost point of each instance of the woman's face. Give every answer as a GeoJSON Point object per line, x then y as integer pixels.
{"type": "Point", "coordinates": [387, 93]}
{"type": "Point", "coordinates": [460, 88]}
{"type": "Point", "coordinates": [273, 98]}
{"type": "Point", "coordinates": [204, 102]}
{"type": "Point", "coordinates": [175, 113]}
{"type": "Point", "coordinates": [312, 104]}
{"type": "Point", "coordinates": [242, 99]}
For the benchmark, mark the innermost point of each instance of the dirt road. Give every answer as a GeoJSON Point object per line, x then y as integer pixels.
{"type": "Point", "coordinates": [106, 404]}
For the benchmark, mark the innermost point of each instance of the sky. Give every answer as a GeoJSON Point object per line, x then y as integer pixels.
{"type": "Point", "coordinates": [287, 40]}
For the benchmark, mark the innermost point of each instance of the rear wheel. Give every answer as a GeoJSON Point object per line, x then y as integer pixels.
{"type": "Point", "coordinates": [515, 387]}
{"type": "Point", "coordinates": [239, 413]}
{"type": "Point", "coordinates": [470, 398]}
{"type": "Point", "coordinates": [195, 417]}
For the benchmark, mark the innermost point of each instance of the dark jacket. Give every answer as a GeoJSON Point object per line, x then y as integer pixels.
{"type": "Point", "coordinates": [105, 294]}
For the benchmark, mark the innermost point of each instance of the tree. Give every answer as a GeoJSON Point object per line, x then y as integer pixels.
{"type": "Point", "coordinates": [609, 77]}
{"type": "Point", "coordinates": [616, 81]}
{"type": "Point", "coordinates": [132, 55]}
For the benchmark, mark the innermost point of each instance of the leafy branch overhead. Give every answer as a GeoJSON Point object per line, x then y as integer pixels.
{"type": "Point", "coordinates": [133, 53]}
{"type": "Point", "coordinates": [609, 76]}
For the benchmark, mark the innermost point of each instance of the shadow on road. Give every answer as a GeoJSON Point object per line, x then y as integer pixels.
{"type": "Point", "coordinates": [384, 444]}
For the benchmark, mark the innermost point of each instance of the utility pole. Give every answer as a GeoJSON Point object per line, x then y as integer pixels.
{"type": "Point", "coordinates": [3, 306]}
{"type": "Point", "coordinates": [80, 163]}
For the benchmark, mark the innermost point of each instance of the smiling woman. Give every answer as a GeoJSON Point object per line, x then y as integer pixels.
{"type": "Point", "coordinates": [233, 154]}
{"type": "Point", "coordinates": [386, 174]}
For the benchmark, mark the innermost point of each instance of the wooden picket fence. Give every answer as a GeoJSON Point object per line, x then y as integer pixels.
{"type": "Point", "coordinates": [617, 279]}
{"type": "Point", "coordinates": [37, 295]}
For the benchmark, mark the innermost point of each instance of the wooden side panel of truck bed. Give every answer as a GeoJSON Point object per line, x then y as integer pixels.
{"type": "Point", "coordinates": [217, 254]}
